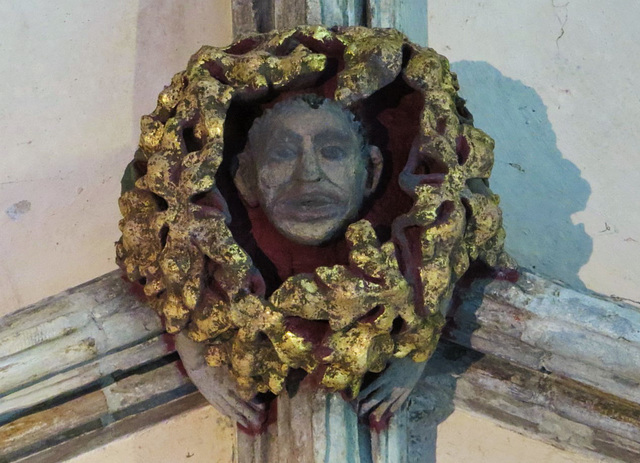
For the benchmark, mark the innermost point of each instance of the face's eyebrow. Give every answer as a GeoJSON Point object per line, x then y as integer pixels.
{"type": "Point", "coordinates": [284, 135]}
{"type": "Point", "coordinates": [333, 135]}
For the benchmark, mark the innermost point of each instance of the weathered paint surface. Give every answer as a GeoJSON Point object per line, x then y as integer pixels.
{"type": "Point", "coordinates": [408, 16]}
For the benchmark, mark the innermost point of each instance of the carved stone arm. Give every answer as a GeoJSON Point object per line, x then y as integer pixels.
{"type": "Point", "coordinates": [387, 393]}
{"type": "Point", "coordinates": [217, 385]}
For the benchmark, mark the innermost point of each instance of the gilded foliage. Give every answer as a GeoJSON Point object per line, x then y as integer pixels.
{"type": "Point", "coordinates": [389, 300]}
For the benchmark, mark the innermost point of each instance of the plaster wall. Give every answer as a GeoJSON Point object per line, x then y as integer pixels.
{"type": "Point", "coordinates": [462, 437]}
{"type": "Point", "coordinates": [75, 77]}
{"type": "Point", "coordinates": [556, 84]}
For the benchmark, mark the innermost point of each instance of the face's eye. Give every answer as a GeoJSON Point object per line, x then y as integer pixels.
{"type": "Point", "coordinates": [283, 153]}
{"type": "Point", "coordinates": [333, 152]}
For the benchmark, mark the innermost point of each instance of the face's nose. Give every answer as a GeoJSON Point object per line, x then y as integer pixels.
{"type": "Point", "coordinates": [308, 167]}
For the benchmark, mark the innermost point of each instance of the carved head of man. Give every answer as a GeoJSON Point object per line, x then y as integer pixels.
{"type": "Point", "coordinates": [307, 164]}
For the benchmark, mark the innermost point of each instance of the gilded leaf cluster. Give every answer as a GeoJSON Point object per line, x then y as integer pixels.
{"type": "Point", "coordinates": [389, 300]}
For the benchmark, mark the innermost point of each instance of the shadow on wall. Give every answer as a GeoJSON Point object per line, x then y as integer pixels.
{"type": "Point", "coordinates": [432, 401]}
{"type": "Point", "coordinates": [539, 189]}
{"type": "Point", "coordinates": [167, 34]}
{"type": "Point", "coordinates": [160, 26]}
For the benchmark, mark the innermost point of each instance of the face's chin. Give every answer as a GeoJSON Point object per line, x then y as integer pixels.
{"type": "Point", "coordinates": [309, 233]}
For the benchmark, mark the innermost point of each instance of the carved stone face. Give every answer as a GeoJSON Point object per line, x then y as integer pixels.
{"type": "Point", "coordinates": [309, 170]}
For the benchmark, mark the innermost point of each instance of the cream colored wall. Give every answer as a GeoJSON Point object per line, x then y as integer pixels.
{"type": "Point", "coordinates": [557, 84]}
{"type": "Point", "coordinates": [203, 436]}
{"type": "Point", "coordinates": [75, 77]}
{"type": "Point", "coordinates": [199, 436]}
{"type": "Point", "coordinates": [465, 437]}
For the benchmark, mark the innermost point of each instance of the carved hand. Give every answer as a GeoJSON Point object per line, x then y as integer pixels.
{"type": "Point", "coordinates": [217, 385]}
{"type": "Point", "coordinates": [386, 394]}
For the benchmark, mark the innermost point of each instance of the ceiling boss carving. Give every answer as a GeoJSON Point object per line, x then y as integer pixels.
{"type": "Point", "coordinates": [207, 258]}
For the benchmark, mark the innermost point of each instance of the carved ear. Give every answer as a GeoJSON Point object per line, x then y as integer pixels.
{"type": "Point", "coordinates": [374, 170]}
{"type": "Point", "coordinates": [245, 179]}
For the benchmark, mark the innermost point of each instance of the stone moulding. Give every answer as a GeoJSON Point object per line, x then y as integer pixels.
{"type": "Point", "coordinates": [558, 365]}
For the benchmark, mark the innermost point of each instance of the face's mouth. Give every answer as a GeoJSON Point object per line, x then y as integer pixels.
{"type": "Point", "coordinates": [311, 201]}
{"type": "Point", "coordinates": [310, 206]}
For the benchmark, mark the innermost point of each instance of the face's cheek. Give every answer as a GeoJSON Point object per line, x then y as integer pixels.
{"type": "Point", "coordinates": [273, 178]}
{"type": "Point", "coordinates": [349, 175]}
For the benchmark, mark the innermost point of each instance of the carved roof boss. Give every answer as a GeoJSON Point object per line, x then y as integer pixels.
{"type": "Point", "coordinates": [304, 201]}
